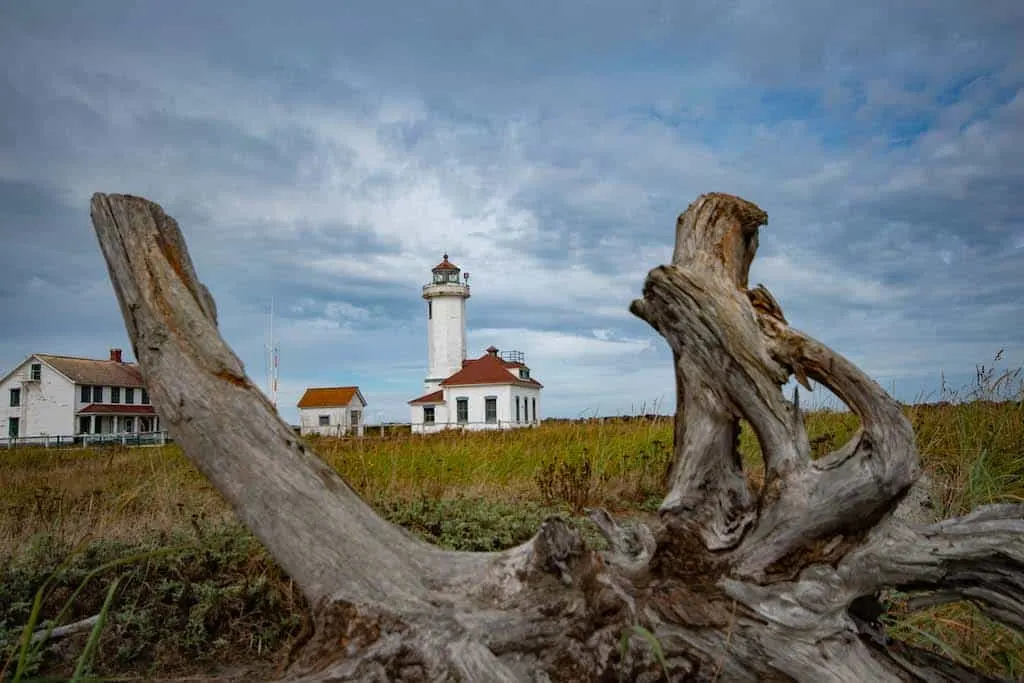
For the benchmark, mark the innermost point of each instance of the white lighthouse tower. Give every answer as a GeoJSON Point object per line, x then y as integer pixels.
{"type": "Point", "coordinates": [446, 322]}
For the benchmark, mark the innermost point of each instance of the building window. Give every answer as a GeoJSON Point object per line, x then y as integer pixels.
{"type": "Point", "coordinates": [430, 310]}
{"type": "Point", "coordinates": [517, 409]}
{"type": "Point", "coordinates": [428, 415]}
{"type": "Point", "coordinates": [145, 397]}
{"type": "Point", "coordinates": [84, 422]}
{"type": "Point", "coordinates": [86, 394]}
{"type": "Point", "coordinates": [129, 395]}
{"type": "Point", "coordinates": [12, 427]}
{"type": "Point", "coordinates": [355, 417]}
{"type": "Point", "coordinates": [97, 394]}
{"type": "Point", "coordinates": [325, 420]}
{"type": "Point", "coordinates": [534, 410]}
{"type": "Point", "coordinates": [115, 394]}
{"type": "Point", "coordinates": [129, 424]}
{"type": "Point", "coordinates": [462, 410]}
{"type": "Point", "coordinates": [15, 398]}
{"type": "Point", "coordinates": [491, 409]}
{"type": "Point", "coordinates": [37, 371]}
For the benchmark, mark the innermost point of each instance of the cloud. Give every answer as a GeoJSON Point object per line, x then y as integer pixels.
{"type": "Point", "coordinates": [324, 156]}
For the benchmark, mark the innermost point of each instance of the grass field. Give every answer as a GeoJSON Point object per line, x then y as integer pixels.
{"type": "Point", "coordinates": [202, 595]}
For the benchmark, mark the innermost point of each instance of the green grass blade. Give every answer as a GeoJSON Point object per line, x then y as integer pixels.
{"type": "Point", "coordinates": [85, 661]}
{"type": "Point", "coordinates": [27, 647]}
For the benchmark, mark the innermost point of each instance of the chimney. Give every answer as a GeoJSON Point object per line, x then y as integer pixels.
{"type": "Point", "coordinates": [115, 355]}
{"type": "Point", "coordinates": [492, 350]}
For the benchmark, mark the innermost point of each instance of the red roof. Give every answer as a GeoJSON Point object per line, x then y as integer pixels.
{"type": "Point", "coordinates": [432, 397]}
{"type": "Point", "coordinates": [445, 264]}
{"type": "Point", "coordinates": [116, 409]}
{"type": "Point", "coordinates": [489, 369]}
{"type": "Point", "coordinates": [329, 397]}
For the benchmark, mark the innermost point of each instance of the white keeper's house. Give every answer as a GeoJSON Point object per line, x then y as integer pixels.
{"type": "Point", "coordinates": [49, 396]}
{"type": "Point", "coordinates": [331, 411]}
{"type": "Point", "coordinates": [494, 391]}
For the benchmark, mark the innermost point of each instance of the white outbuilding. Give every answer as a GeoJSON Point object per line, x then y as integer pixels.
{"type": "Point", "coordinates": [331, 411]}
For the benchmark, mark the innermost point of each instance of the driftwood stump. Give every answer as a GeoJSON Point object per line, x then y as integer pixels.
{"type": "Point", "coordinates": [730, 584]}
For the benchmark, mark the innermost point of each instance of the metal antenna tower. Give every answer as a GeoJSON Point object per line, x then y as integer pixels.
{"type": "Point", "coordinates": [271, 352]}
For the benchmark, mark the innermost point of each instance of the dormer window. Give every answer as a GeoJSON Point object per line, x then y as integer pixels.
{"type": "Point", "coordinates": [524, 373]}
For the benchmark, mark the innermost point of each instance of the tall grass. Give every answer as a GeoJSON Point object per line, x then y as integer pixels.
{"type": "Point", "coordinates": [477, 491]}
{"type": "Point", "coordinates": [126, 494]}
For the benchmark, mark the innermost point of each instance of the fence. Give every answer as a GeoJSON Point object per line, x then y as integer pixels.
{"type": "Point", "coordinates": [475, 426]}
{"type": "Point", "coordinates": [83, 440]}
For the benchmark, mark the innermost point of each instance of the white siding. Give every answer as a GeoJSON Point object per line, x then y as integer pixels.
{"type": "Point", "coordinates": [339, 418]}
{"type": "Point", "coordinates": [47, 406]}
{"type": "Point", "coordinates": [440, 418]}
{"type": "Point", "coordinates": [528, 398]}
{"type": "Point", "coordinates": [446, 331]}
{"type": "Point", "coordinates": [446, 416]}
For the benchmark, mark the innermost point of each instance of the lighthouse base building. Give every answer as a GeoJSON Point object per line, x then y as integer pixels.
{"type": "Point", "coordinates": [494, 391]}
{"type": "Point", "coordinates": [490, 392]}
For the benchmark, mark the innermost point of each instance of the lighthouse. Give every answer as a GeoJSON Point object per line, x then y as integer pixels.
{"type": "Point", "coordinates": [494, 391]}
{"type": "Point", "coordinates": [446, 322]}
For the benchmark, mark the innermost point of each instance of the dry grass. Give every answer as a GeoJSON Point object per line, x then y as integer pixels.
{"type": "Point", "coordinates": [972, 443]}
{"type": "Point", "coordinates": [126, 494]}
{"type": "Point", "coordinates": [974, 452]}
{"type": "Point", "coordinates": [119, 494]}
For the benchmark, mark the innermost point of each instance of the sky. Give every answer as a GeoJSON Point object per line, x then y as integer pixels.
{"type": "Point", "coordinates": [323, 155]}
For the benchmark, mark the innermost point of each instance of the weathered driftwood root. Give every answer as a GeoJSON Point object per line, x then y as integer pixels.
{"type": "Point", "coordinates": [80, 626]}
{"type": "Point", "coordinates": [727, 584]}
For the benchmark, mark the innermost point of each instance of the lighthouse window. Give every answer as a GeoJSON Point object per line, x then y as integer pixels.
{"type": "Point", "coordinates": [438, 277]}
{"type": "Point", "coordinates": [430, 310]}
{"type": "Point", "coordinates": [534, 409]}
{"type": "Point", "coordinates": [453, 276]}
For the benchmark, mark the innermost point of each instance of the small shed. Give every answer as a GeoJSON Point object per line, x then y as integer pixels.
{"type": "Point", "coordinates": [331, 411]}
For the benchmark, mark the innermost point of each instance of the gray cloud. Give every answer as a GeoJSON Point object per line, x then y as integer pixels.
{"type": "Point", "coordinates": [323, 155]}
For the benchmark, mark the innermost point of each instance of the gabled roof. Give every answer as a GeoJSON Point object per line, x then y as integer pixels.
{"type": "Point", "coordinates": [329, 397]}
{"type": "Point", "coordinates": [489, 369]}
{"type": "Point", "coordinates": [432, 397]}
{"type": "Point", "coordinates": [116, 409]}
{"type": "Point", "coordinates": [92, 371]}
